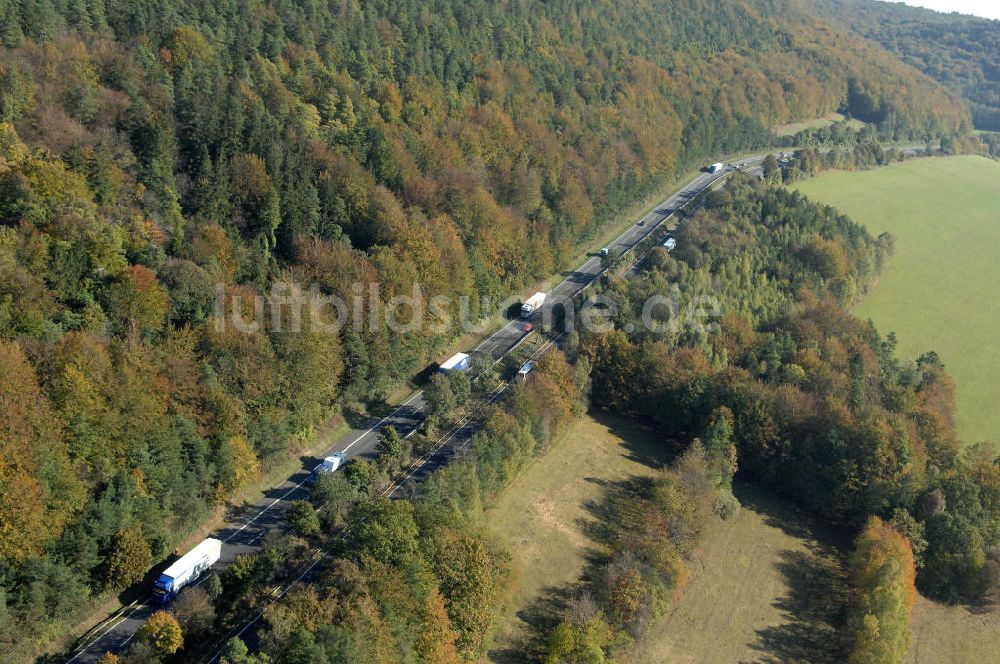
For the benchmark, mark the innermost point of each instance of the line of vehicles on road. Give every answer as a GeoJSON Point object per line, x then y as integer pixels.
{"type": "Point", "coordinates": [532, 305]}
{"type": "Point", "coordinates": [527, 312]}
{"type": "Point", "coordinates": [189, 567]}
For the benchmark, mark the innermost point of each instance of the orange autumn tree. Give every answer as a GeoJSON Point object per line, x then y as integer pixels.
{"type": "Point", "coordinates": [138, 301]}
{"type": "Point", "coordinates": [882, 573]}
{"type": "Point", "coordinates": [37, 489]}
{"type": "Point", "coordinates": [437, 642]}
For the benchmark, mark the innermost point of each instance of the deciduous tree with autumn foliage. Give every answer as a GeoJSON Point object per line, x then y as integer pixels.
{"type": "Point", "coordinates": [882, 574]}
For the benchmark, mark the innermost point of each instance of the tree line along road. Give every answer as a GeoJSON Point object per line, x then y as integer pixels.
{"type": "Point", "coordinates": [244, 531]}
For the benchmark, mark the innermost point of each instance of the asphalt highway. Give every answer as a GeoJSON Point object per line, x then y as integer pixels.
{"type": "Point", "coordinates": [246, 527]}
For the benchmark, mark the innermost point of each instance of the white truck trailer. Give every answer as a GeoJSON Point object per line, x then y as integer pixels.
{"type": "Point", "coordinates": [457, 362]}
{"type": "Point", "coordinates": [329, 465]}
{"type": "Point", "coordinates": [530, 306]}
{"type": "Point", "coordinates": [186, 569]}
{"type": "Point", "coordinates": [716, 167]}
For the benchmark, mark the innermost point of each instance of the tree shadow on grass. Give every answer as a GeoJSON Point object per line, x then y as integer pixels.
{"type": "Point", "coordinates": [781, 513]}
{"type": "Point", "coordinates": [543, 614]}
{"type": "Point", "coordinates": [983, 606]}
{"type": "Point", "coordinates": [813, 609]}
{"type": "Point", "coordinates": [603, 514]}
{"type": "Point", "coordinates": [538, 619]}
{"type": "Point", "coordinates": [814, 606]}
{"type": "Point", "coordinates": [643, 443]}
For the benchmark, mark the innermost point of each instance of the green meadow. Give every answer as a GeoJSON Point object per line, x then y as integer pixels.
{"type": "Point", "coordinates": [941, 289]}
{"type": "Point", "coordinates": [817, 123]}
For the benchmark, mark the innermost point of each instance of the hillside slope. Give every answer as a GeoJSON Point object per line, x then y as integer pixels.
{"type": "Point", "coordinates": [961, 52]}
{"type": "Point", "coordinates": [156, 153]}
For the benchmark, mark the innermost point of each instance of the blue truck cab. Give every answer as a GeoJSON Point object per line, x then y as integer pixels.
{"type": "Point", "coordinates": [186, 569]}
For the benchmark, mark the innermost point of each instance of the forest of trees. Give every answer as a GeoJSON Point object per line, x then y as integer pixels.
{"type": "Point", "coordinates": [962, 52]}
{"type": "Point", "coordinates": [781, 383]}
{"type": "Point", "coordinates": [156, 153]}
{"type": "Point", "coordinates": [823, 409]}
{"type": "Point", "coordinates": [418, 581]}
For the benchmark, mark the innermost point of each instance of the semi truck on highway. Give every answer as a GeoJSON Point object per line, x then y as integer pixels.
{"type": "Point", "coordinates": [716, 167]}
{"type": "Point", "coordinates": [532, 305]}
{"type": "Point", "coordinates": [328, 465]}
{"type": "Point", "coordinates": [186, 569]}
{"type": "Point", "coordinates": [457, 362]}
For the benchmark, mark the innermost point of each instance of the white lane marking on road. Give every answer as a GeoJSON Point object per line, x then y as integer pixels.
{"type": "Point", "coordinates": [261, 513]}
{"type": "Point", "coordinates": [138, 605]}
{"type": "Point", "coordinates": [495, 334]}
{"type": "Point", "coordinates": [299, 485]}
{"type": "Point", "coordinates": [406, 403]}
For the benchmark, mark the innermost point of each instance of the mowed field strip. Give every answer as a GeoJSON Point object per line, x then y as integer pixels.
{"type": "Point", "coordinates": [540, 517]}
{"type": "Point", "coordinates": [817, 123]}
{"type": "Point", "coordinates": [940, 289]}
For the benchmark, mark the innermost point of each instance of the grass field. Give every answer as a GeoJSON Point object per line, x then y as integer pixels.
{"type": "Point", "coordinates": [540, 515]}
{"type": "Point", "coordinates": [940, 289]}
{"type": "Point", "coordinates": [955, 634]}
{"type": "Point", "coordinates": [816, 123]}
